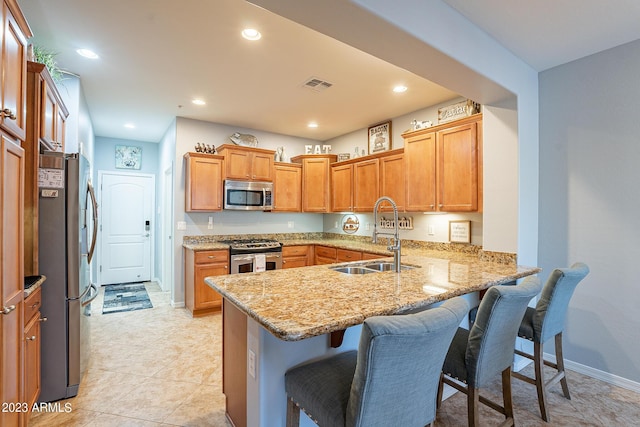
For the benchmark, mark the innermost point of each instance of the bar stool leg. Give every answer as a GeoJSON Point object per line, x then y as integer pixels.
{"type": "Point", "coordinates": [560, 363]}
{"type": "Point", "coordinates": [293, 414]}
{"type": "Point", "coordinates": [538, 363]}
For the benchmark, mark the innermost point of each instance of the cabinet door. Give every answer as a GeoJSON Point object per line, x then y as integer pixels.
{"type": "Point", "coordinates": [32, 360]}
{"type": "Point", "coordinates": [205, 296]}
{"type": "Point", "coordinates": [203, 190]}
{"type": "Point", "coordinates": [392, 181]}
{"type": "Point", "coordinates": [61, 128]}
{"type": "Point", "coordinates": [420, 172]}
{"type": "Point", "coordinates": [12, 277]}
{"type": "Point", "coordinates": [345, 255]}
{"type": "Point", "coordinates": [458, 169]}
{"type": "Point", "coordinates": [366, 185]}
{"type": "Point", "coordinates": [238, 164]}
{"type": "Point", "coordinates": [49, 115]}
{"type": "Point", "coordinates": [287, 187]}
{"type": "Point", "coordinates": [262, 167]}
{"type": "Point", "coordinates": [342, 188]}
{"type": "Point", "coordinates": [315, 185]}
{"type": "Point", "coordinates": [14, 76]}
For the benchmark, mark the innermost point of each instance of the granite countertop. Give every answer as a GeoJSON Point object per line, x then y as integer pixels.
{"type": "Point", "coordinates": [32, 283]}
{"type": "Point", "coordinates": [298, 303]}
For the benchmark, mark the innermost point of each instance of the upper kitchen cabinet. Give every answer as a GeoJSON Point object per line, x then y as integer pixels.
{"type": "Point", "coordinates": [247, 163]}
{"type": "Point", "coordinates": [392, 180]}
{"type": "Point", "coordinates": [13, 85]}
{"type": "Point", "coordinates": [203, 182]}
{"type": "Point", "coordinates": [315, 181]}
{"type": "Point", "coordinates": [46, 117]}
{"type": "Point", "coordinates": [442, 167]}
{"type": "Point", "coordinates": [342, 187]}
{"type": "Point", "coordinates": [366, 184]}
{"type": "Point", "coordinates": [287, 187]}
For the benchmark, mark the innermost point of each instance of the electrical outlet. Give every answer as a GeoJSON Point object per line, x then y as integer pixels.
{"type": "Point", "coordinates": [210, 224]}
{"type": "Point", "coordinates": [335, 224]}
{"type": "Point", "coordinates": [182, 225]}
{"type": "Point", "coordinates": [252, 364]}
{"type": "Point", "coordinates": [367, 226]}
{"type": "Point", "coordinates": [431, 231]}
{"type": "Point", "coordinates": [290, 224]}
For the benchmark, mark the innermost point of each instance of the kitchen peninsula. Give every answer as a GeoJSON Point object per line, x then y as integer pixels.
{"type": "Point", "coordinates": [277, 319]}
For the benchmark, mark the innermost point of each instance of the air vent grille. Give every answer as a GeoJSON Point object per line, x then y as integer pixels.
{"type": "Point", "coordinates": [317, 84]}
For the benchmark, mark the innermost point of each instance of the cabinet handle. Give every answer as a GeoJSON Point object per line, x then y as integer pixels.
{"type": "Point", "coordinates": [32, 338]}
{"type": "Point", "coordinates": [7, 310]}
{"type": "Point", "coordinates": [432, 206]}
{"type": "Point", "coordinates": [42, 319]}
{"type": "Point", "coordinates": [211, 256]}
{"type": "Point", "coordinates": [8, 113]}
{"type": "Point", "coordinates": [225, 267]}
{"type": "Point", "coordinates": [440, 205]}
{"type": "Point", "coordinates": [35, 305]}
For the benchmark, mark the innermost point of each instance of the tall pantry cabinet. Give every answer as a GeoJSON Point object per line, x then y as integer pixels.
{"type": "Point", "coordinates": [12, 164]}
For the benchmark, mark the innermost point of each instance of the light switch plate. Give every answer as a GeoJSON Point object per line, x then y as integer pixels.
{"type": "Point", "coordinates": [252, 364]}
{"type": "Point", "coordinates": [182, 225]}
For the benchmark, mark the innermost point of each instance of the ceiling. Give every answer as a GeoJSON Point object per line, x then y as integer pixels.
{"type": "Point", "coordinates": [158, 55]}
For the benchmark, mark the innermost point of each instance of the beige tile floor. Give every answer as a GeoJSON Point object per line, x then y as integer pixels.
{"type": "Point", "coordinates": [160, 367]}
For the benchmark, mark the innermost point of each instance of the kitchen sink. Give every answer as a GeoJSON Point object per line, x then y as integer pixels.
{"type": "Point", "coordinates": [386, 266]}
{"type": "Point", "coordinates": [353, 270]}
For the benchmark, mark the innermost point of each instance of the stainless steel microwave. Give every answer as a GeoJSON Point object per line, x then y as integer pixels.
{"type": "Point", "coordinates": [248, 195]}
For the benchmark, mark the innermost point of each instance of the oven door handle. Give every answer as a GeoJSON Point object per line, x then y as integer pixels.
{"type": "Point", "coordinates": [242, 258]}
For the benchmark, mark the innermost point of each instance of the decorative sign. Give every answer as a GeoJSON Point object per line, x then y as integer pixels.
{"type": "Point", "coordinates": [404, 223]}
{"type": "Point", "coordinates": [379, 137]}
{"type": "Point", "coordinates": [343, 156]}
{"type": "Point", "coordinates": [128, 157]}
{"type": "Point", "coordinates": [317, 149]}
{"type": "Point", "coordinates": [460, 231]}
{"type": "Point", "coordinates": [51, 178]}
{"type": "Point", "coordinates": [457, 111]}
{"type": "Point", "coordinates": [350, 224]}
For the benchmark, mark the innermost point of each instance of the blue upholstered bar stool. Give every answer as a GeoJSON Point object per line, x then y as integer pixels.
{"type": "Point", "coordinates": [478, 355]}
{"type": "Point", "coordinates": [392, 379]}
{"type": "Point", "coordinates": [545, 321]}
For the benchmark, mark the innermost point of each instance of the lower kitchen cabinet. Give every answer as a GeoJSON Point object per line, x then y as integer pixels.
{"type": "Point", "coordinates": [324, 255]}
{"type": "Point", "coordinates": [346, 255]}
{"type": "Point", "coordinates": [296, 256]}
{"type": "Point", "coordinates": [200, 299]}
{"type": "Point", "coordinates": [32, 320]}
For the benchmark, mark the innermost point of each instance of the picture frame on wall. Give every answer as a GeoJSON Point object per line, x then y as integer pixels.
{"type": "Point", "coordinates": [128, 157]}
{"type": "Point", "coordinates": [460, 231]}
{"type": "Point", "coordinates": [379, 137]}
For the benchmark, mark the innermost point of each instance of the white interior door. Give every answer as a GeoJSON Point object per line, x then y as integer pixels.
{"type": "Point", "coordinates": [126, 206]}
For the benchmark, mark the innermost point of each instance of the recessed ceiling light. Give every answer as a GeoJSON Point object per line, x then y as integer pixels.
{"type": "Point", "coordinates": [312, 125]}
{"type": "Point", "coordinates": [251, 34]}
{"type": "Point", "coordinates": [400, 89]}
{"type": "Point", "coordinates": [87, 53]}
{"type": "Point", "coordinates": [129, 125]}
{"type": "Point", "coordinates": [199, 102]}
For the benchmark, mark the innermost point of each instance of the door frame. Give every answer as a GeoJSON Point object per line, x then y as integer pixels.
{"type": "Point", "coordinates": [152, 244]}
{"type": "Point", "coordinates": [167, 230]}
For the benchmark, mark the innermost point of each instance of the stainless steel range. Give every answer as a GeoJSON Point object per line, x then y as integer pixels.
{"type": "Point", "coordinates": [251, 255]}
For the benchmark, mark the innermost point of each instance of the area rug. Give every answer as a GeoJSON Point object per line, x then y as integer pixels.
{"type": "Point", "coordinates": [125, 297]}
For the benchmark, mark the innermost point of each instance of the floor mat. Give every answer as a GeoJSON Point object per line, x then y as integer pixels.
{"type": "Point", "coordinates": [125, 297]}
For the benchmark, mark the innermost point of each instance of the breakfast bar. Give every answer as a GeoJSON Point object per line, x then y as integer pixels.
{"type": "Point", "coordinates": [277, 319]}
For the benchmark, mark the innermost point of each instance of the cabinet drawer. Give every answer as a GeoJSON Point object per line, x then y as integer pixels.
{"type": "Point", "coordinates": [294, 262]}
{"type": "Point", "coordinates": [347, 255]}
{"type": "Point", "coordinates": [207, 257]}
{"type": "Point", "coordinates": [295, 250]}
{"type": "Point", "coordinates": [325, 252]}
{"type": "Point", "coordinates": [32, 305]}
{"type": "Point", "coordinates": [371, 255]}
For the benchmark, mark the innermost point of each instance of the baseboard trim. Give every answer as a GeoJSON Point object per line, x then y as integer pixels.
{"type": "Point", "coordinates": [178, 304]}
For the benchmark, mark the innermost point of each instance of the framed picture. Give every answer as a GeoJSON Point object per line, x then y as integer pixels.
{"type": "Point", "coordinates": [379, 137]}
{"type": "Point", "coordinates": [460, 231]}
{"type": "Point", "coordinates": [128, 157]}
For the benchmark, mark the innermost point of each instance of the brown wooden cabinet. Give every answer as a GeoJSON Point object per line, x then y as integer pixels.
{"type": "Point", "coordinates": [12, 278]}
{"type": "Point", "coordinates": [315, 181]}
{"type": "Point", "coordinates": [442, 167]}
{"type": "Point", "coordinates": [392, 180]}
{"type": "Point", "coordinates": [287, 187]}
{"type": "Point", "coordinates": [325, 255]}
{"type": "Point", "coordinates": [342, 188]}
{"type": "Point", "coordinates": [32, 320]}
{"type": "Point", "coordinates": [200, 298]}
{"type": "Point", "coordinates": [13, 43]}
{"type": "Point", "coordinates": [366, 185]}
{"type": "Point", "coordinates": [347, 255]}
{"type": "Point", "coordinates": [247, 163]}
{"type": "Point", "coordinates": [203, 182]}
{"type": "Point", "coordinates": [46, 118]}
{"type": "Point", "coordinates": [296, 256]}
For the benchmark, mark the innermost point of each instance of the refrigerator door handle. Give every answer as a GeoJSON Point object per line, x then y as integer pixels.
{"type": "Point", "coordinates": [94, 236]}
{"type": "Point", "coordinates": [92, 288]}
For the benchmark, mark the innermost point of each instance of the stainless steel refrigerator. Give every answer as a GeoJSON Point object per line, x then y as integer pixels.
{"type": "Point", "coordinates": [67, 230]}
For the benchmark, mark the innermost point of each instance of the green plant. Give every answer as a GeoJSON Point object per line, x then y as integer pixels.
{"type": "Point", "coordinates": [48, 58]}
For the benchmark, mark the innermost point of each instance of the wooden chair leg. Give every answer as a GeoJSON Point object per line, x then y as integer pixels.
{"type": "Point", "coordinates": [560, 363]}
{"type": "Point", "coordinates": [293, 414]}
{"type": "Point", "coordinates": [473, 400]}
{"type": "Point", "coordinates": [506, 397]}
{"type": "Point", "coordinates": [538, 364]}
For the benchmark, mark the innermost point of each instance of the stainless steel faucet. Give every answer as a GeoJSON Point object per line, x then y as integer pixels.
{"type": "Point", "coordinates": [395, 248]}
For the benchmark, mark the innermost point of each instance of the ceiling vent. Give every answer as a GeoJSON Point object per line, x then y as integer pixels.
{"type": "Point", "coordinates": [317, 84]}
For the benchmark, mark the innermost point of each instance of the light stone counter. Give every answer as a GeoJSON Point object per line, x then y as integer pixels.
{"type": "Point", "coordinates": [299, 303]}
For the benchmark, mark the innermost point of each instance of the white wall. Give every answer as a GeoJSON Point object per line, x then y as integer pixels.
{"type": "Point", "coordinates": [589, 202]}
